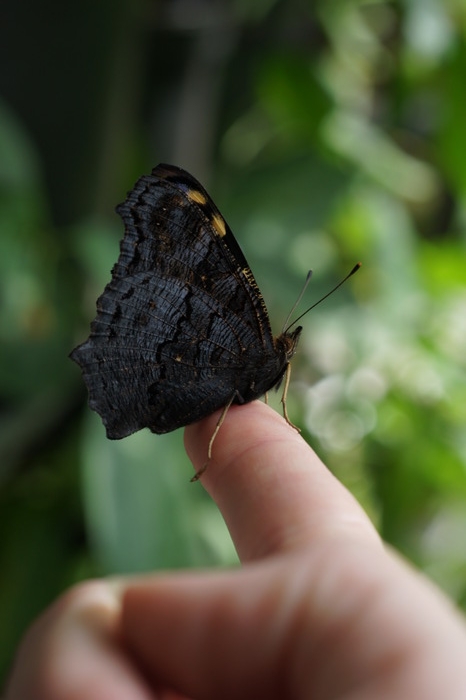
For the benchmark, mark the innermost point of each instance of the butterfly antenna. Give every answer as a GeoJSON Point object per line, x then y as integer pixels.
{"type": "Point", "coordinates": [350, 274]}
{"type": "Point", "coordinates": [300, 296]}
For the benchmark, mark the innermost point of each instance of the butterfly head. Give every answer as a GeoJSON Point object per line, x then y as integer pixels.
{"type": "Point", "coordinates": [287, 342]}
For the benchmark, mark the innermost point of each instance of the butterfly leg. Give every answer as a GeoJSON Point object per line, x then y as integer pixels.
{"type": "Point", "coordinates": [201, 471]}
{"type": "Point", "coordinates": [285, 392]}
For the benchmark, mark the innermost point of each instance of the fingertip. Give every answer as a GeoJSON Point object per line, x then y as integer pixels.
{"type": "Point", "coordinates": [272, 489]}
{"type": "Point", "coordinates": [241, 428]}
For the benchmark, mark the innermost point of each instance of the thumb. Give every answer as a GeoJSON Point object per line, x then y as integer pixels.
{"type": "Point", "coordinates": [292, 627]}
{"type": "Point", "coordinates": [212, 635]}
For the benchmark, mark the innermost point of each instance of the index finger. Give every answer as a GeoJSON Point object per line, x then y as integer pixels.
{"type": "Point", "coordinates": [273, 491]}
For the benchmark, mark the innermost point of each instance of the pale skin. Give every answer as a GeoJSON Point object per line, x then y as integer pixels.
{"type": "Point", "coordinates": [320, 609]}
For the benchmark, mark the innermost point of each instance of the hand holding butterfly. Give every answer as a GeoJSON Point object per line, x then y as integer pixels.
{"type": "Point", "coordinates": [320, 609]}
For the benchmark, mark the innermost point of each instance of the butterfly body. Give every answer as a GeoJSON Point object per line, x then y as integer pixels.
{"type": "Point", "coordinates": [181, 329]}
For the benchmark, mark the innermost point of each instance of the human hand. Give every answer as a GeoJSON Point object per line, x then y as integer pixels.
{"type": "Point", "coordinates": [320, 608]}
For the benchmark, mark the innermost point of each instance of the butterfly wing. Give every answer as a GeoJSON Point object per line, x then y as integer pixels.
{"type": "Point", "coordinates": [182, 326]}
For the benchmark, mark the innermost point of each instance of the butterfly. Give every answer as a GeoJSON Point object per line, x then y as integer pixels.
{"type": "Point", "coordinates": [182, 329]}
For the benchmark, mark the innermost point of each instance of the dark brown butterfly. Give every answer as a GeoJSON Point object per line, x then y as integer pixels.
{"type": "Point", "coordinates": [181, 329]}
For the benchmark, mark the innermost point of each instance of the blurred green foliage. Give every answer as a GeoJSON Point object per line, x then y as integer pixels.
{"type": "Point", "coordinates": [327, 132]}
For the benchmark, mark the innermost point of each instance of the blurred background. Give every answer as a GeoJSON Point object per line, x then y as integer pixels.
{"type": "Point", "coordinates": [327, 132]}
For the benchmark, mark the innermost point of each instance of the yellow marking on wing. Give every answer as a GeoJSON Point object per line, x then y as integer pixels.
{"type": "Point", "coordinates": [196, 196]}
{"type": "Point", "coordinates": [219, 225]}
